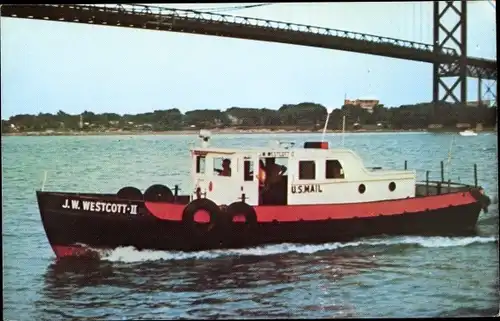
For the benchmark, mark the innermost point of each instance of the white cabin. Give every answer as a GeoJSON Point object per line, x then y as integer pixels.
{"type": "Point", "coordinates": [314, 174]}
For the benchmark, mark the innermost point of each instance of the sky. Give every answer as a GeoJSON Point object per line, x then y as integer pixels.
{"type": "Point", "coordinates": [50, 66]}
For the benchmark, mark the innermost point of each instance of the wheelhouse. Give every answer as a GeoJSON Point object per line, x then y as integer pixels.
{"type": "Point", "coordinates": [314, 174]}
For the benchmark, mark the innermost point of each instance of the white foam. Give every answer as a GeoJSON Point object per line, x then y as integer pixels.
{"type": "Point", "coordinates": [130, 254]}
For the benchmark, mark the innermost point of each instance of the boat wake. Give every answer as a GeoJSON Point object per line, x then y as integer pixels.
{"type": "Point", "coordinates": [130, 254]}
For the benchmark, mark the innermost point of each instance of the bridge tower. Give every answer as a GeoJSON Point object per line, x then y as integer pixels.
{"type": "Point", "coordinates": [445, 36]}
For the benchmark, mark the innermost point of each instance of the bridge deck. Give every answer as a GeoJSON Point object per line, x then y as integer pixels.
{"type": "Point", "coordinates": [189, 21]}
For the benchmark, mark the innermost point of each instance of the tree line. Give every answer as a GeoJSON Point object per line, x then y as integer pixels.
{"type": "Point", "coordinates": [308, 116]}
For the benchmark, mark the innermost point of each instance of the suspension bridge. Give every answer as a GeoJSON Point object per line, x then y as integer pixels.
{"type": "Point", "coordinates": [448, 62]}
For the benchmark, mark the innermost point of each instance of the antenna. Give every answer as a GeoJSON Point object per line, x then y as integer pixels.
{"type": "Point", "coordinates": [329, 111]}
{"type": "Point", "coordinates": [448, 163]}
{"type": "Point", "coordinates": [343, 129]}
{"type": "Point", "coordinates": [44, 180]}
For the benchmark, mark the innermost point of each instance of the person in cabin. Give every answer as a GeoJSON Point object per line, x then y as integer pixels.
{"type": "Point", "coordinates": [273, 171]}
{"type": "Point", "coordinates": [338, 172]}
{"type": "Point", "coordinates": [226, 168]}
{"type": "Point", "coordinates": [261, 176]}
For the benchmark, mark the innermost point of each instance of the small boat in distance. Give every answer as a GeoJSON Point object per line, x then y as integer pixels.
{"type": "Point", "coordinates": [468, 132]}
{"type": "Point", "coordinates": [243, 197]}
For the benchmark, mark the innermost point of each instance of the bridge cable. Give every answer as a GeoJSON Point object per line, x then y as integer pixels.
{"type": "Point", "coordinates": [417, 26]}
{"type": "Point", "coordinates": [220, 9]}
{"type": "Point", "coordinates": [420, 25]}
{"type": "Point", "coordinates": [413, 22]}
{"type": "Point", "coordinates": [412, 25]}
{"type": "Point", "coordinates": [427, 26]}
{"type": "Point", "coordinates": [420, 5]}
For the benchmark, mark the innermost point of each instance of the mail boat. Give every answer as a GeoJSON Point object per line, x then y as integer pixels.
{"type": "Point", "coordinates": [321, 195]}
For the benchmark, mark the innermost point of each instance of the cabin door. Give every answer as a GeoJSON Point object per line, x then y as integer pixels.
{"type": "Point", "coordinates": [250, 184]}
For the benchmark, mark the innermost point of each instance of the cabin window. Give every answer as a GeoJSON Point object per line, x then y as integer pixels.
{"type": "Point", "coordinates": [307, 170]}
{"type": "Point", "coordinates": [361, 188]}
{"type": "Point", "coordinates": [392, 186]}
{"type": "Point", "coordinates": [248, 172]}
{"type": "Point", "coordinates": [222, 166]}
{"type": "Point", "coordinates": [200, 164]}
{"type": "Point", "coordinates": [333, 169]}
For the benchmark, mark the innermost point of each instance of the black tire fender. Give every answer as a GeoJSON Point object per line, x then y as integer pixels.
{"type": "Point", "coordinates": [158, 193]}
{"type": "Point", "coordinates": [242, 208]}
{"type": "Point", "coordinates": [130, 193]}
{"type": "Point", "coordinates": [217, 220]}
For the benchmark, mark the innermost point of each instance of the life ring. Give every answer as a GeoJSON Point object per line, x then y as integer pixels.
{"type": "Point", "coordinates": [242, 209]}
{"type": "Point", "coordinates": [215, 221]}
{"type": "Point", "coordinates": [130, 193]}
{"type": "Point", "coordinates": [158, 193]}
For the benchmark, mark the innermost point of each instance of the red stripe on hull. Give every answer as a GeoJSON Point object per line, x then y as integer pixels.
{"type": "Point", "coordinates": [72, 250]}
{"type": "Point", "coordinates": [293, 213]}
{"type": "Point", "coordinates": [370, 209]}
{"type": "Point", "coordinates": [166, 211]}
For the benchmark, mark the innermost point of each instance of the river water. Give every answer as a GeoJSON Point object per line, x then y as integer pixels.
{"type": "Point", "coordinates": [376, 277]}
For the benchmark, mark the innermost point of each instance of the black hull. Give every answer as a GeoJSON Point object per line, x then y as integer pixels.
{"type": "Point", "coordinates": [66, 229]}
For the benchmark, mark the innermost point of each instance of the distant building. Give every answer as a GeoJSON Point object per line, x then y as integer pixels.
{"type": "Point", "coordinates": [435, 126]}
{"type": "Point", "coordinates": [365, 103]}
{"type": "Point", "coordinates": [234, 120]}
{"type": "Point", "coordinates": [144, 126]}
{"type": "Point", "coordinates": [462, 125]}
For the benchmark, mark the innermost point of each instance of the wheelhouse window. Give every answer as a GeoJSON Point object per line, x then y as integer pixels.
{"type": "Point", "coordinates": [200, 164]}
{"type": "Point", "coordinates": [222, 166]}
{"type": "Point", "coordinates": [307, 170]}
{"type": "Point", "coordinates": [248, 172]}
{"type": "Point", "coordinates": [333, 169]}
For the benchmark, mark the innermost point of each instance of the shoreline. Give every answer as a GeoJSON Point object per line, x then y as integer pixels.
{"type": "Point", "coordinates": [230, 131]}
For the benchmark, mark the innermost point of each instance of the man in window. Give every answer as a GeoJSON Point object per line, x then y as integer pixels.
{"type": "Point", "coordinates": [226, 168]}
{"type": "Point", "coordinates": [273, 171]}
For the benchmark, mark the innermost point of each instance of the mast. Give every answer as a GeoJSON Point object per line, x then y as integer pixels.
{"type": "Point", "coordinates": [343, 129]}
{"type": "Point", "coordinates": [329, 112]}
